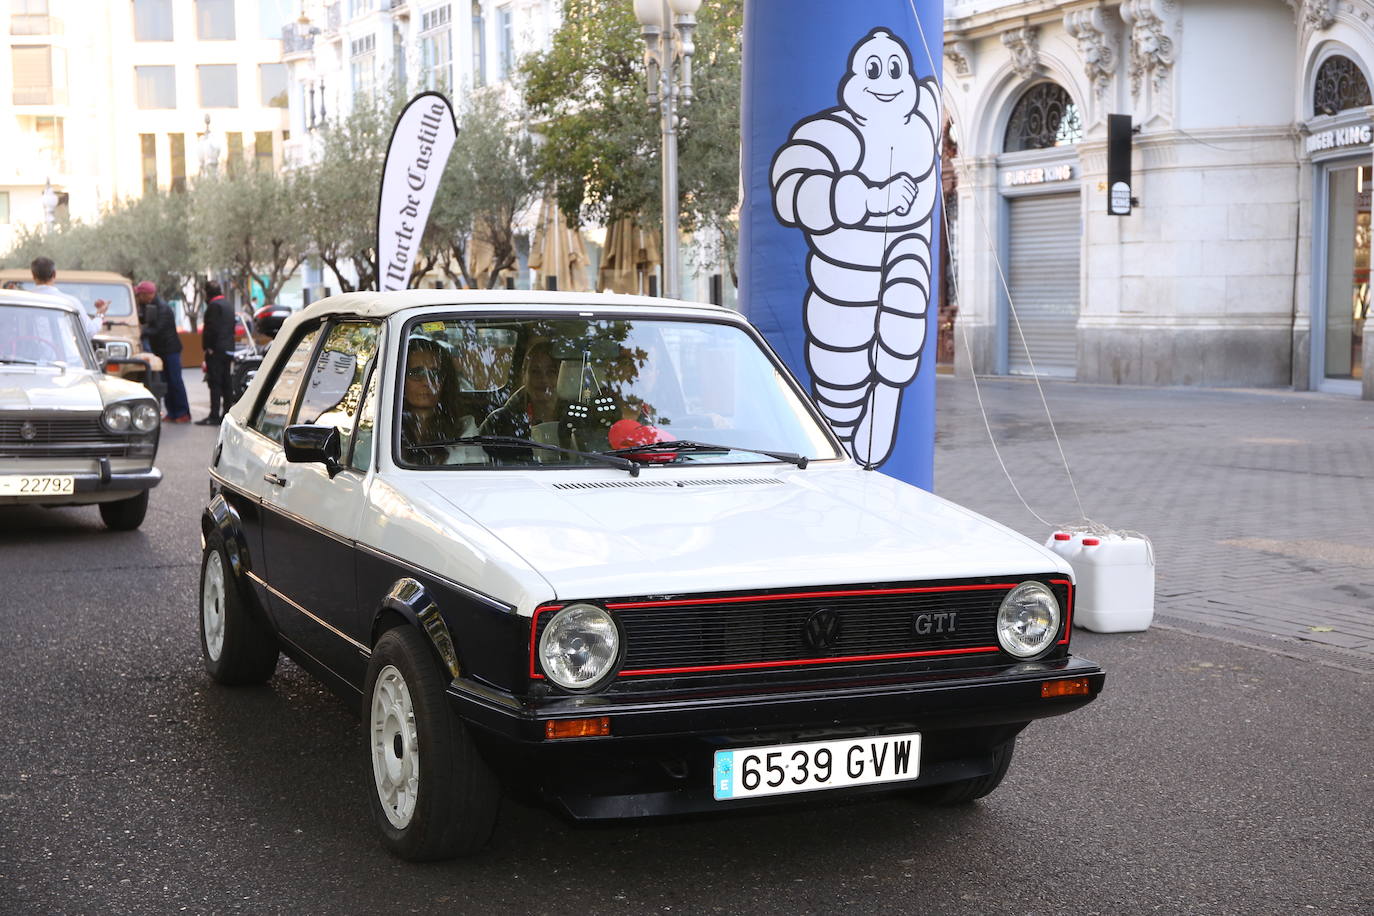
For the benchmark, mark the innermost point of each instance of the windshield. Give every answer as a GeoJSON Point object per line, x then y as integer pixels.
{"type": "Point", "coordinates": [593, 385]}
{"type": "Point", "coordinates": [117, 294]}
{"type": "Point", "coordinates": [42, 337]}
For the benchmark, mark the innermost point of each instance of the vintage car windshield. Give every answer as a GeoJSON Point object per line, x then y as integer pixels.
{"type": "Point", "coordinates": [117, 294]}
{"type": "Point", "coordinates": [593, 385]}
{"type": "Point", "coordinates": [33, 335]}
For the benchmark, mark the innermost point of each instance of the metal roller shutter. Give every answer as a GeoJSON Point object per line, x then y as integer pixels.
{"type": "Point", "coordinates": [1046, 238]}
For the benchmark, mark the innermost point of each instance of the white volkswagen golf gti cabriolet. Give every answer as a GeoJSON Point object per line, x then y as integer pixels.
{"type": "Point", "coordinates": [602, 550]}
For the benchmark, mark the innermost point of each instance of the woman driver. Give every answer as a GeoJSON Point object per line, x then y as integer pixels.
{"type": "Point", "coordinates": [430, 386]}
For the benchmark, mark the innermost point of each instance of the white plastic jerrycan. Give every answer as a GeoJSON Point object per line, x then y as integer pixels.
{"type": "Point", "coordinates": [1116, 583]}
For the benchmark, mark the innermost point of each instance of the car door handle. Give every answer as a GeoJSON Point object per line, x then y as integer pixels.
{"type": "Point", "coordinates": [275, 479]}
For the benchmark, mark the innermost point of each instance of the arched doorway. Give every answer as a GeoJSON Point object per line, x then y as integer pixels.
{"type": "Point", "coordinates": [1038, 177]}
{"type": "Point", "coordinates": [1340, 143]}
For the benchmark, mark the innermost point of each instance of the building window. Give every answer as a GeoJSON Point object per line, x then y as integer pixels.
{"type": "Point", "coordinates": [262, 150]}
{"type": "Point", "coordinates": [49, 143]}
{"type": "Point", "coordinates": [479, 45]}
{"type": "Point", "coordinates": [177, 143]}
{"type": "Point", "coordinates": [40, 75]}
{"type": "Point", "coordinates": [234, 161]}
{"type": "Point", "coordinates": [148, 144]}
{"type": "Point", "coordinates": [215, 20]}
{"type": "Point", "coordinates": [359, 7]}
{"type": "Point", "coordinates": [505, 34]}
{"type": "Point", "coordinates": [1340, 86]}
{"type": "Point", "coordinates": [219, 85]}
{"type": "Point", "coordinates": [29, 17]}
{"type": "Point", "coordinates": [156, 86]}
{"type": "Point", "coordinates": [272, 85]}
{"type": "Point", "coordinates": [152, 20]}
{"type": "Point", "coordinates": [436, 49]}
{"type": "Point", "coordinates": [362, 64]}
{"type": "Point", "coordinates": [1044, 117]}
{"type": "Point", "coordinates": [273, 16]}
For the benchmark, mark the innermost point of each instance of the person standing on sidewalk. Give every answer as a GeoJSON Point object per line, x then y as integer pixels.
{"type": "Point", "coordinates": [160, 338]}
{"type": "Point", "coordinates": [217, 338]}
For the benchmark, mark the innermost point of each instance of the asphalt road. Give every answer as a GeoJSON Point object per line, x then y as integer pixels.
{"type": "Point", "coordinates": [1209, 778]}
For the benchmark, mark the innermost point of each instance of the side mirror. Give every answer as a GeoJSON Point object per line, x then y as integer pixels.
{"type": "Point", "coordinates": [310, 444]}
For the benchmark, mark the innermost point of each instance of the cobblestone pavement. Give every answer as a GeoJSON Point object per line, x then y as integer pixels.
{"type": "Point", "coordinates": [1259, 504]}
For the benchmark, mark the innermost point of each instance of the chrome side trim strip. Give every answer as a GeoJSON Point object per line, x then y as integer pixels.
{"type": "Point", "coordinates": [366, 651]}
{"type": "Point", "coordinates": [488, 600]}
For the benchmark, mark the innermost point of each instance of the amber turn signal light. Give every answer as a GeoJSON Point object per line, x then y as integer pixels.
{"type": "Point", "coordinates": [1070, 687]}
{"type": "Point", "coordinates": [580, 728]}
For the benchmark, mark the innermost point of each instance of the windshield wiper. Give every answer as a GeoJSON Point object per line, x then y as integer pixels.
{"type": "Point", "coordinates": [19, 361]}
{"type": "Point", "coordinates": [516, 441]}
{"type": "Point", "coordinates": [691, 445]}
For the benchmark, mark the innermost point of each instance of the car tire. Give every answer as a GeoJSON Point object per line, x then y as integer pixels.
{"type": "Point", "coordinates": [433, 797]}
{"type": "Point", "coordinates": [237, 648]}
{"type": "Point", "coordinates": [125, 514]}
{"type": "Point", "coordinates": [968, 790]}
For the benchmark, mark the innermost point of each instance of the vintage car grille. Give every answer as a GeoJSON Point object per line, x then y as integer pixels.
{"type": "Point", "coordinates": [726, 633]}
{"type": "Point", "coordinates": [67, 437]}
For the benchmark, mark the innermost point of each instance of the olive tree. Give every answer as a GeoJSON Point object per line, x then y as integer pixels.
{"type": "Point", "coordinates": [248, 222]}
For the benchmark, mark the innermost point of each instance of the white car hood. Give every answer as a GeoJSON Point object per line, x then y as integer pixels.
{"type": "Point", "coordinates": [756, 528]}
{"type": "Point", "coordinates": [28, 388]}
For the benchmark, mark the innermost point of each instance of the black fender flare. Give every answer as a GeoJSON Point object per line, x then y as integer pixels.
{"type": "Point", "coordinates": [221, 518]}
{"type": "Point", "coordinates": [409, 599]}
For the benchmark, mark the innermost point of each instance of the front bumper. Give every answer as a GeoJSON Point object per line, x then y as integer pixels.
{"type": "Point", "coordinates": [657, 758]}
{"type": "Point", "coordinates": [102, 485]}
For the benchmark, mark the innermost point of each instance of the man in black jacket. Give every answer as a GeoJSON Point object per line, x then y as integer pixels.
{"type": "Point", "coordinates": [160, 338]}
{"type": "Point", "coordinates": [217, 338]}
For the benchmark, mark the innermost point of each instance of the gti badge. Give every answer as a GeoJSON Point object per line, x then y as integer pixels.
{"type": "Point", "coordinates": [942, 622]}
{"type": "Point", "coordinates": [822, 629]}
{"type": "Point", "coordinates": [28, 431]}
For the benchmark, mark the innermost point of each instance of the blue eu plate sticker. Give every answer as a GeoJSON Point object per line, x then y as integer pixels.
{"type": "Point", "coordinates": [724, 775]}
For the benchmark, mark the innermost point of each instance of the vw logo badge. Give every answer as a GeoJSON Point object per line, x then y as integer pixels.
{"type": "Point", "coordinates": [28, 431]}
{"type": "Point", "coordinates": [822, 629]}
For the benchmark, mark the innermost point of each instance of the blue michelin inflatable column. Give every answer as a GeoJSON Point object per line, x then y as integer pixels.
{"type": "Point", "coordinates": [839, 234]}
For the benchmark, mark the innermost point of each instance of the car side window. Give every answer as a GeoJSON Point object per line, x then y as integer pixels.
{"type": "Point", "coordinates": [334, 388]}
{"type": "Point", "coordinates": [274, 412]}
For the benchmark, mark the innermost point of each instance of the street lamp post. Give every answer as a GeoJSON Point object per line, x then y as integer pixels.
{"type": "Point", "coordinates": [668, 49]}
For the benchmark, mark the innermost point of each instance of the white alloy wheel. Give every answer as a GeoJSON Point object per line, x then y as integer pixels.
{"type": "Point", "coordinates": [395, 747]}
{"type": "Point", "coordinates": [212, 605]}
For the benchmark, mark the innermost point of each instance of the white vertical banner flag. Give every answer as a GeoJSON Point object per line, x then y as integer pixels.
{"type": "Point", "coordinates": [420, 143]}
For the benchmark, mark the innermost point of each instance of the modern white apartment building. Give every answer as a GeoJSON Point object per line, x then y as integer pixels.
{"type": "Point", "coordinates": [1246, 260]}
{"type": "Point", "coordinates": [338, 51]}
{"type": "Point", "coordinates": [101, 99]}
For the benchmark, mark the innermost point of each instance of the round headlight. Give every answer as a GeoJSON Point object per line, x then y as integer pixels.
{"type": "Point", "coordinates": [1028, 620]}
{"type": "Point", "coordinates": [118, 417]}
{"type": "Point", "coordinates": [579, 646]}
{"type": "Point", "coordinates": [146, 418]}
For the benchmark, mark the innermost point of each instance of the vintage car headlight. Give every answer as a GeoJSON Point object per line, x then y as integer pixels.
{"type": "Point", "coordinates": [1028, 619]}
{"type": "Point", "coordinates": [118, 418]}
{"type": "Point", "coordinates": [117, 349]}
{"type": "Point", "coordinates": [146, 418]}
{"type": "Point", "coordinates": [580, 646]}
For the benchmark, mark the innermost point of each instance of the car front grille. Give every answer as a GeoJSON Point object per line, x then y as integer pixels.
{"type": "Point", "coordinates": [890, 622]}
{"type": "Point", "coordinates": [67, 437]}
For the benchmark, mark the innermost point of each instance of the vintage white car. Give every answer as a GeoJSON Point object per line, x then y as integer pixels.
{"type": "Point", "coordinates": [603, 550]}
{"type": "Point", "coordinates": [70, 434]}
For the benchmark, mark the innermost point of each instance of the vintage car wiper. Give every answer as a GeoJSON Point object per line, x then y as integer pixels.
{"type": "Point", "coordinates": [622, 463]}
{"type": "Point", "coordinates": [691, 445]}
{"type": "Point", "coordinates": [19, 361]}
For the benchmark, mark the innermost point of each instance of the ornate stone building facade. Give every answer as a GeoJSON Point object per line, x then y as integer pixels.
{"type": "Point", "coordinates": [1245, 259]}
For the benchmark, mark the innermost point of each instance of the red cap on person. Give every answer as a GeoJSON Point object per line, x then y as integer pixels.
{"type": "Point", "coordinates": [146, 287]}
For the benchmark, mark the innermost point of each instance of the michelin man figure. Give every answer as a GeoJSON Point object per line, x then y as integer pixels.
{"type": "Point", "coordinates": [860, 181]}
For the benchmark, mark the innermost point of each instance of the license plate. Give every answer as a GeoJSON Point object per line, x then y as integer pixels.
{"type": "Point", "coordinates": [748, 772]}
{"type": "Point", "coordinates": [37, 485]}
